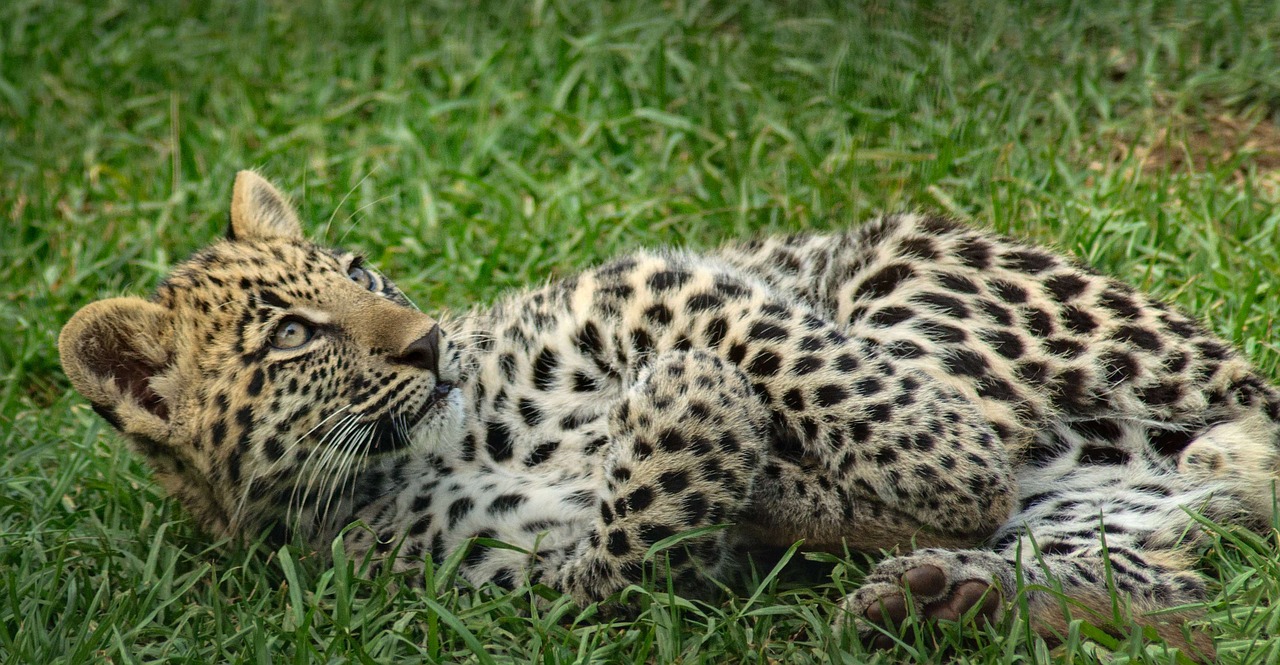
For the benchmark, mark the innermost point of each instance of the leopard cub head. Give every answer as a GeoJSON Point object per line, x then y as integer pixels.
{"type": "Point", "coordinates": [266, 373]}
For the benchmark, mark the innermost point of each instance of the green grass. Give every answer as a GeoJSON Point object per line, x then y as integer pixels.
{"type": "Point", "coordinates": [475, 150]}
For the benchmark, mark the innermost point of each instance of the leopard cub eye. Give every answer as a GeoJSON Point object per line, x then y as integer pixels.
{"type": "Point", "coordinates": [291, 334]}
{"type": "Point", "coordinates": [361, 276]}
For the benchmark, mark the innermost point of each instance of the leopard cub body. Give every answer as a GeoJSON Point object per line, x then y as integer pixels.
{"type": "Point", "coordinates": [994, 412]}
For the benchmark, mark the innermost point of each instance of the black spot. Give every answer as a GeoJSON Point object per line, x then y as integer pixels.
{"type": "Point", "coordinates": [658, 314]}
{"type": "Point", "coordinates": [698, 411]}
{"type": "Point", "coordinates": [530, 412]}
{"type": "Point", "coordinates": [937, 224]}
{"type": "Point", "coordinates": [956, 283]}
{"type": "Point", "coordinates": [1091, 454]}
{"type": "Point", "coordinates": [886, 455]}
{"type": "Point", "coordinates": [998, 313]}
{"type": "Point", "coordinates": [867, 387]}
{"type": "Point", "coordinates": [996, 388]}
{"type": "Point", "coordinates": [1028, 260]}
{"type": "Point", "coordinates": [918, 247]}
{"type": "Point", "coordinates": [1066, 286]}
{"type": "Point", "coordinates": [1064, 347]}
{"type": "Point", "coordinates": [793, 399]}
{"type": "Point", "coordinates": [469, 447]}
{"type": "Point", "coordinates": [889, 316]}
{"type": "Point", "coordinates": [588, 340]}
{"type": "Point", "coordinates": [541, 453]}
{"type": "Point", "coordinates": [1078, 321]}
{"type": "Point", "coordinates": [694, 506]}
{"type": "Point", "coordinates": [1057, 548]}
{"type": "Point", "coordinates": [507, 364]}
{"type": "Point", "coordinates": [1119, 366]}
{"type": "Point", "coordinates": [498, 441]}
{"type": "Point", "coordinates": [1071, 389]}
{"type": "Point", "coordinates": [665, 280]}
{"type": "Point", "coordinates": [273, 448]}
{"type": "Point", "coordinates": [940, 333]}
{"type": "Point", "coordinates": [974, 253]}
{"type": "Point", "coordinates": [1160, 394]}
{"type": "Point", "coordinates": [544, 369]}
{"type": "Point", "coordinates": [505, 578]}
{"type": "Point", "coordinates": [776, 310]}
{"type": "Point", "coordinates": [216, 435]}
{"type": "Point", "coordinates": [244, 418]}
{"type": "Point", "coordinates": [1138, 336]}
{"type": "Point", "coordinates": [1008, 291]}
{"type": "Point", "coordinates": [830, 395]}
{"type": "Point", "coordinates": [904, 349]}
{"type": "Point", "coordinates": [420, 526]}
{"type": "Point", "coordinates": [1033, 372]}
{"type": "Point", "coordinates": [943, 304]}
{"type": "Point", "coordinates": [765, 331]}
{"type": "Point", "coordinates": [505, 503]}
{"type": "Point", "coordinates": [883, 282]}
{"type": "Point", "coordinates": [641, 342]}
{"type": "Point", "coordinates": [703, 302]}
{"type": "Point", "coordinates": [1119, 303]}
{"type": "Point", "coordinates": [672, 440]}
{"type": "Point", "coordinates": [765, 363]}
{"type": "Point", "coordinates": [1180, 326]}
{"type": "Point", "coordinates": [1034, 500]}
{"type": "Point", "coordinates": [478, 552]}
{"type": "Point", "coordinates": [618, 544]}
{"type": "Point", "coordinates": [584, 383]}
{"type": "Point", "coordinates": [715, 331]}
{"type": "Point", "coordinates": [1038, 321]}
{"type": "Point", "coordinates": [806, 365]}
{"type": "Point", "coordinates": [812, 343]}
{"type": "Point", "coordinates": [963, 362]}
{"type": "Point", "coordinates": [255, 383]}
{"type": "Point", "coordinates": [640, 499]}
{"type": "Point", "coordinates": [674, 482]}
{"type": "Point", "coordinates": [1214, 350]}
{"type": "Point", "coordinates": [651, 533]}
{"type": "Point", "coordinates": [730, 288]}
{"type": "Point", "coordinates": [1176, 361]}
{"type": "Point", "coordinates": [1003, 342]}
{"type": "Point", "coordinates": [459, 509]}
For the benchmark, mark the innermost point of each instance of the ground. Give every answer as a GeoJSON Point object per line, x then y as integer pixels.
{"type": "Point", "coordinates": [470, 151]}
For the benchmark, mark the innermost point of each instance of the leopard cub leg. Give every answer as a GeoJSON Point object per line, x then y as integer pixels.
{"type": "Point", "coordinates": [687, 443]}
{"type": "Point", "coordinates": [1111, 545]}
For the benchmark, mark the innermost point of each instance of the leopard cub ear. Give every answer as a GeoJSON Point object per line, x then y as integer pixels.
{"type": "Point", "coordinates": [260, 212]}
{"type": "Point", "coordinates": [111, 350]}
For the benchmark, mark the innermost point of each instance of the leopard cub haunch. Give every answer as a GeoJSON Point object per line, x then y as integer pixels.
{"type": "Point", "coordinates": [991, 410]}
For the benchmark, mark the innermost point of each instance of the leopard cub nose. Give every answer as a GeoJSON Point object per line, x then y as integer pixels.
{"type": "Point", "coordinates": [423, 353]}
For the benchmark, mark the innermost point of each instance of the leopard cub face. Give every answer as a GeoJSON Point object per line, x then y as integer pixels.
{"type": "Point", "coordinates": [266, 373]}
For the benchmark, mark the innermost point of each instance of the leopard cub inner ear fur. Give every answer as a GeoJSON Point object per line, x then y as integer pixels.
{"type": "Point", "coordinates": [260, 212]}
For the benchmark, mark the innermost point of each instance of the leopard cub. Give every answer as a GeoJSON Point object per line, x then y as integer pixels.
{"type": "Point", "coordinates": [996, 413]}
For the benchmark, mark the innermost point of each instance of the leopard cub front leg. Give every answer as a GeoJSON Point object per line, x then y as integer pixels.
{"type": "Point", "coordinates": [687, 444]}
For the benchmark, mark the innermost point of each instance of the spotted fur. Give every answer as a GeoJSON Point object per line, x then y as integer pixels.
{"type": "Point", "coordinates": [910, 383]}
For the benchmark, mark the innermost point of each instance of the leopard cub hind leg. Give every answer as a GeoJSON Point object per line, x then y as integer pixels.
{"type": "Point", "coordinates": [1086, 534]}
